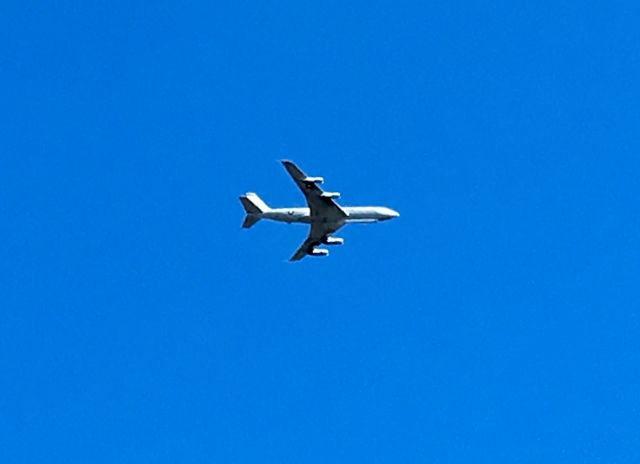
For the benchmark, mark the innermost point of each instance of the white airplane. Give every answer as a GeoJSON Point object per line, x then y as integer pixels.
{"type": "Point", "coordinates": [323, 214]}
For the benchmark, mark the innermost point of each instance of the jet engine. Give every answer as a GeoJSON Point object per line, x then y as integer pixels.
{"type": "Point", "coordinates": [313, 180]}
{"type": "Point", "coordinates": [330, 194]}
{"type": "Point", "coordinates": [319, 252]}
{"type": "Point", "coordinates": [333, 241]}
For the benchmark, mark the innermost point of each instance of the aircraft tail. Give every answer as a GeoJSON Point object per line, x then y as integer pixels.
{"type": "Point", "coordinates": [254, 207]}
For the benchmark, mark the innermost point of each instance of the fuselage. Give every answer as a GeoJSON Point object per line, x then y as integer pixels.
{"type": "Point", "coordinates": [354, 214]}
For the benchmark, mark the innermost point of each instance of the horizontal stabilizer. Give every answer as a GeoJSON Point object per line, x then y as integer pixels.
{"type": "Point", "coordinates": [254, 207]}
{"type": "Point", "coordinates": [249, 220]}
{"type": "Point", "coordinates": [253, 204]}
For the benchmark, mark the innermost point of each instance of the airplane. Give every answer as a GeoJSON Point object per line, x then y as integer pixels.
{"type": "Point", "coordinates": [323, 214]}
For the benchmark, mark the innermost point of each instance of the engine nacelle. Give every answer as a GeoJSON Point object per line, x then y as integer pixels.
{"type": "Point", "coordinates": [333, 241]}
{"type": "Point", "coordinates": [313, 180]}
{"type": "Point", "coordinates": [330, 194]}
{"type": "Point", "coordinates": [319, 252]}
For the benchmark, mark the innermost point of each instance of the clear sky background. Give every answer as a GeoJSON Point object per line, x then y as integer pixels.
{"type": "Point", "coordinates": [495, 321]}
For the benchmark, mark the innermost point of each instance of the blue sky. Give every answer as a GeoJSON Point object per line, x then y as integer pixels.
{"type": "Point", "coordinates": [495, 321]}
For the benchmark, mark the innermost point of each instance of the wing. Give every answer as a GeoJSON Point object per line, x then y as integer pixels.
{"type": "Point", "coordinates": [317, 233]}
{"type": "Point", "coordinates": [321, 203]}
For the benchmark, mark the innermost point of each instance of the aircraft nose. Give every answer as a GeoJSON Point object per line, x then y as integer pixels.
{"type": "Point", "coordinates": [394, 214]}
